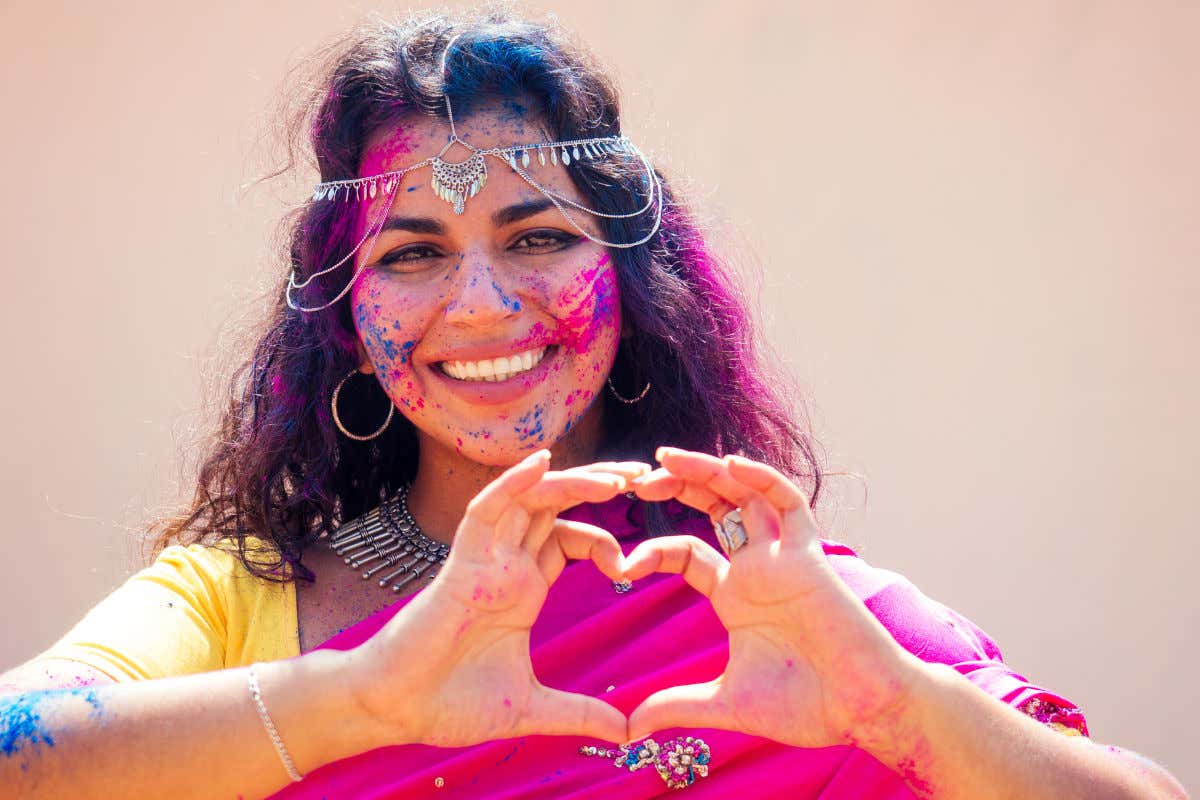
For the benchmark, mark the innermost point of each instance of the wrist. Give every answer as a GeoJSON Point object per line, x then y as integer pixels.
{"type": "Point", "coordinates": [385, 710]}
{"type": "Point", "coordinates": [896, 730]}
{"type": "Point", "coordinates": [333, 680]}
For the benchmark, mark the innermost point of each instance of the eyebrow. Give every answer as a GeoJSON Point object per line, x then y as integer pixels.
{"type": "Point", "coordinates": [505, 216]}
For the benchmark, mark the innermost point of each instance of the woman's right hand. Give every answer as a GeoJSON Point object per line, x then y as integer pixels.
{"type": "Point", "coordinates": [452, 668]}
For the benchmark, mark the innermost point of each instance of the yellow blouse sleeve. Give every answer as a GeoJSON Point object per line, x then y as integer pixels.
{"type": "Point", "coordinates": [195, 609]}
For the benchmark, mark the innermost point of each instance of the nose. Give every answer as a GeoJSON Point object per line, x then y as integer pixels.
{"type": "Point", "coordinates": [479, 294]}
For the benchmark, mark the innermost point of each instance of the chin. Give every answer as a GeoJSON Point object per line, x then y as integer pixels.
{"type": "Point", "coordinates": [501, 454]}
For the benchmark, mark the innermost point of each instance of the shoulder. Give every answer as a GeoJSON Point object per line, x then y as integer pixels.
{"type": "Point", "coordinates": [221, 559]}
{"type": "Point", "coordinates": [214, 575]}
{"type": "Point", "coordinates": [922, 625]}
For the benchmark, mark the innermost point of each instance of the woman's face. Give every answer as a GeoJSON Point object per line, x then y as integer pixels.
{"type": "Point", "coordinates": [506, 290]}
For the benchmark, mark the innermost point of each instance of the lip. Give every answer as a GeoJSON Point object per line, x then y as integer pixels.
{"type": "Point", "coordinates": [490, 393]}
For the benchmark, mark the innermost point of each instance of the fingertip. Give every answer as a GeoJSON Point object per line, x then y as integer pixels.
{"type": "Point", "coordinates": [639, 728]}
{"type": "Point", "coordinates": [535, 460]}
{"type": "Point", "coordinates": [735, 462]}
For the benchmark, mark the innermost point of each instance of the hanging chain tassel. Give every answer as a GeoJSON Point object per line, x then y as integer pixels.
{"type": "Point", "coordinates": [454, 183]}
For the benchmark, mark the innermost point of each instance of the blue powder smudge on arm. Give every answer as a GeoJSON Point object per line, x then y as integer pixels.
{"type": "Point", "coordinates": [21, 722]}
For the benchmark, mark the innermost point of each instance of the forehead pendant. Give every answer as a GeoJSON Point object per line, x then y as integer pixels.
{"type": "Point", "coordinates": [456, 182]}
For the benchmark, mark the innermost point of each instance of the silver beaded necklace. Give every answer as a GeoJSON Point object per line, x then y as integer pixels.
{"type": "Point", "coordinates": [389, 534]}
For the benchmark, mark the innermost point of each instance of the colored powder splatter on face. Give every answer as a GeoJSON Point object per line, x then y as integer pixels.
{"type": "Point", "coordinates": [511, 303]}
{"type": "Point", "coordinates": [530, 425]}
{"type": "Point", "coordinates": [592, 301]}
{"type": "Point", "coordinates": [21, 717]}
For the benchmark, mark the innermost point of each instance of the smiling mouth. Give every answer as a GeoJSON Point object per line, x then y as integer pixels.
{"type": "Point", "coordinates": [495, 369]}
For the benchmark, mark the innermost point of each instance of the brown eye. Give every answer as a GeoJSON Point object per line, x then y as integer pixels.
{"type": "Point", "coordinates": [545, 241]}
{"type": "Point", "coordinates": [406, 254]}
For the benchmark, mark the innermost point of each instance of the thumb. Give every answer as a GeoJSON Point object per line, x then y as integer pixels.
{"type": "Point", "coordinates": [555, 712]}
{"type": "Point", "coordinates": [694, 705]}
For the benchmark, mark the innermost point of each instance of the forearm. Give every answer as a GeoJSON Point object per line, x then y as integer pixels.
{"type": "Point", "coordinates": [182, 737]}
{"type": "Point", "coordinates": [952, 740]}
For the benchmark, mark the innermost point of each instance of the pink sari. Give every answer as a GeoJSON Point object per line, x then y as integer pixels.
{"type": "Point", "coordinates": [588, 638]}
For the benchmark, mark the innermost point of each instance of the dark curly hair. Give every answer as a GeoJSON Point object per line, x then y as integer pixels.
{"type": "Point", "coordinates": [276, 467]}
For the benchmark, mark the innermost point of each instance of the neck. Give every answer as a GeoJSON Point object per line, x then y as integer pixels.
{"type": "Point", "coordinates": [447, 480]}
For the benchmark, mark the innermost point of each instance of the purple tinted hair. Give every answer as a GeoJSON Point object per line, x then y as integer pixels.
{"type": "Point", "coordinates": [277, 468]}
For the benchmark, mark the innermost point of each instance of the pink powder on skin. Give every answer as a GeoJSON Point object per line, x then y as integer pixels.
{"type": "Point", "coordinates": [473, 284]}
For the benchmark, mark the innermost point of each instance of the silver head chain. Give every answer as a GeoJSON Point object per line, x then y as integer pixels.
{"type": "Point", "coordinates": [456, 182]}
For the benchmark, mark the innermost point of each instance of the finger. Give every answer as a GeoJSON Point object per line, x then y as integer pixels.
{"type": "Point", "coordinates": [629, 469]}
{"type": "Point", "coordinates": [693, 558]}
{"type": "Point", "coordinates": [558, 491]}
{"type": "Point", "coordinates": [695, 705]}
{"type": "Point", "coordinates": [708, 471]}
{"type": "Point", "coordinates": [554, 712]}
{"type": "Point", "coordinates": [486, 507]}
{"type": "Point", "coordinates": [762, 521]}
{"type": "Point", "coordinates": [657, 485]}
{"type": "Point", "coordinates": [540, 526]}
{"type": "Point", "coordinates": [767, 481]}
{"type": "Point", "coordinates": [511, 528]}
{"type": "Point", "coordinates": [663, 485]}
{"type": "Point", "coordinates": [579, 541]}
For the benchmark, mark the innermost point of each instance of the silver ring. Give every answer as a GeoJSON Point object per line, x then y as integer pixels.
{"type": "Point", "coordinates": [730, 532]}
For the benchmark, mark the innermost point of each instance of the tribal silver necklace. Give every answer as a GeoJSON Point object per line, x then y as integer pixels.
{"type": "Point", "coordinates": [390, 536]}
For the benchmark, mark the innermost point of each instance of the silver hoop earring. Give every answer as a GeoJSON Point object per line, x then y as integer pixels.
{"type": "Point", "coordinates": [627, 400]}
{"type": "Point", "coordinates": [337, 421]}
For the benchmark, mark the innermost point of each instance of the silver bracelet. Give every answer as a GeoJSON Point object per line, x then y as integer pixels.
{"type": "Point", "coordinates": [256, 694]}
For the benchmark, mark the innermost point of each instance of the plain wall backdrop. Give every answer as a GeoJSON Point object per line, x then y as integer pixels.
{"type": "Point", "coordinates": [976, 225]}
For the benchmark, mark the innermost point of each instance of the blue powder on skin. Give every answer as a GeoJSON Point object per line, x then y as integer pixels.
{"type": "Point", "coordinates": [21, 720]}
{"type": "Point", "coordinates": [511, 303]}
{"type": "Point", "coordinates": [530, 425]}
{"type": "Point", "coordinates": [401, 352]}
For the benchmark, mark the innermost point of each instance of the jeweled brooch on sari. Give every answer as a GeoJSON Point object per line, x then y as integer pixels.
{"type": "Point", "coordinates": [678, 762]}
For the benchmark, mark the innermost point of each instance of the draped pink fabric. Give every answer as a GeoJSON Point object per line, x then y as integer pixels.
{"type": "Point", "coordinates": [663, 633]}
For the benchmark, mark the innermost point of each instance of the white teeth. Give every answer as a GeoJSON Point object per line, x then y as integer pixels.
{"type": "Point", "coordinates": [495, 369]}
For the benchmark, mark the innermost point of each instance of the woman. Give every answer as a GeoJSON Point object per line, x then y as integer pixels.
{"type": "Point", "coordinates": [487, 254]}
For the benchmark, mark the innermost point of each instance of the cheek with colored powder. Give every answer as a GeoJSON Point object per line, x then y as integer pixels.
{"type": "Point", "coordinates": [388, 334]}
{"type": "Point", "coordinates": [588, 307]}
{"type": "Point", "coordinates": [588, 313]}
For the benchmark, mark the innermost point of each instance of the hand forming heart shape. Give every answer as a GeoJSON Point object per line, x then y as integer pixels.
{"type": "Point", "coordinates": [809, 665]}
{"type": "Point", "coordinates": [453, 668]}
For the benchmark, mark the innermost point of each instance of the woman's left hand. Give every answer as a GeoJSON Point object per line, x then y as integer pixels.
{"type": "Point", "coordinates": [809, 665]}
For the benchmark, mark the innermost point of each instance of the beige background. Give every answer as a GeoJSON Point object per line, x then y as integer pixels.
{"type": "Point", "coordinates": [977, 226]}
